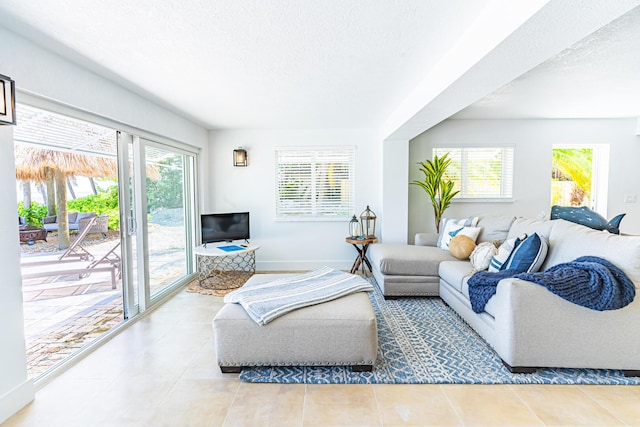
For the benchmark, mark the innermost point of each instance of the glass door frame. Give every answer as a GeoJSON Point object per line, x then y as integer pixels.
{"type": "Point", "coordinates": [133, 215]}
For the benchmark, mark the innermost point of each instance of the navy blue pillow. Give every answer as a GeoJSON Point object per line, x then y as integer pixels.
{"type": "Point", "coordinates": [529, 255]}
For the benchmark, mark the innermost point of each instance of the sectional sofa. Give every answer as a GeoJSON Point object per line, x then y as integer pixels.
{"type": "Point", "coordinates": [77, 221]}
{"type": "Point", "coordinates": [527, 325]}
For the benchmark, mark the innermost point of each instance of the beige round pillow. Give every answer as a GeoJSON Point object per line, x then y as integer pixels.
{"type": "Point", "coordinates": [482, 255]}
{"type": "Point", "coordinates": [461, 246]}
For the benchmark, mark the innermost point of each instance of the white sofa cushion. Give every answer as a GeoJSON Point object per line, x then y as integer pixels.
{"type": "Point", "coordinates": [569, 241]}
{"type": "Point", "coordinates": [494, 227]}
{"type": "Point", "coordinates": [454, 273]}
{"type": "Point", "coordinates": [529, 226]}
{"type": "Point", "coordinates": [408, 260]}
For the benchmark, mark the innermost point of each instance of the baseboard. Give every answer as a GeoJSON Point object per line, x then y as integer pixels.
{"type": "Point", "coordinates": [16, 399]}
{"type": "Point", "coordinates": [294, 266]}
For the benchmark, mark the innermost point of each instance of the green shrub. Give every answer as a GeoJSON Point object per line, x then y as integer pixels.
{"type": "Point", "coordinates": [103, 203]}
{"type": "Point", "coordinates": [34, 214]}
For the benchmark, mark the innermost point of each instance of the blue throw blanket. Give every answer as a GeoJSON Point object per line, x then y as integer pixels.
{"type": "Point", "coordinates": [266, 301]}
{"type": "Point", "coordinates": [588, 281]}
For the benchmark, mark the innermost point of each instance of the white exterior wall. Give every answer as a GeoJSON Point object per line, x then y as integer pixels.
{"type": "Point", "coordinates": [40, 73]}
{"type": "Point", "coordinates": [533, 141]}
{"type": "Point", "coordinates": [299, 245]}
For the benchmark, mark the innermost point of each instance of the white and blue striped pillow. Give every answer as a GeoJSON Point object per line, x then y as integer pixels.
{"type": "Point", "coordinates": [499, 260]}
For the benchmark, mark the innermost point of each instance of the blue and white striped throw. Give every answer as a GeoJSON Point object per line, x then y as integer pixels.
{"type": "Point", "coordinates": [267, 301]}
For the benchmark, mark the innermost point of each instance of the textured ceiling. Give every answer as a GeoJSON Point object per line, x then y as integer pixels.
{"type": "Point", "coordinates": [327, 63]}
{"type": "Point", "coordinates": [254, 63]}
{"type": "Point", "coordinates": [597, 77]}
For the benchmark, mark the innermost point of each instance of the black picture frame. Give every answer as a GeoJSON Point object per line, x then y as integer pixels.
{"type": "Point", "coordinates": [8, 101]}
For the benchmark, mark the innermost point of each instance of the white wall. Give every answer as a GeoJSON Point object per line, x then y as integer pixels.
{"type": "Point", "coordinates": [289, 246]}
{"type": "Point", "coordinates": [16, 390]}
{"type": "Point", "coordinates": [42, 74]}
{"type": "Point", "coordinates": [395, 220]}
{"type": "Point", "coordinates": [533, 141]}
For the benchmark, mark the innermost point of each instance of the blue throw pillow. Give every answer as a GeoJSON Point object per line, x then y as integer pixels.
{"type": "Point", "coordinates": [529, 255]}
{"type": "Point", "coordinates": [499, 260]}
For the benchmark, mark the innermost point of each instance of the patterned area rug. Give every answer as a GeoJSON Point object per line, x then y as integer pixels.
{"type": "Point", "coordinates": [421, 341]}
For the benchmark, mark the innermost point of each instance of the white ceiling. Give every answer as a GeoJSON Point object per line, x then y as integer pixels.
{"type": "Point", "coordinates": [598, 77]}
{"type": "Point", "coordinates": [349, 63]}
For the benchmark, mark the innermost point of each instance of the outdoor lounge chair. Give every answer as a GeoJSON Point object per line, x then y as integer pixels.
{"type": "Point", "coordinates": [82, 270]}
{"type": "Point", "coordinates": [76, 249]}
{"type": "Point", "coordinates": [76, 260]}
{"type": "Point", "coordinates": [112, 258]}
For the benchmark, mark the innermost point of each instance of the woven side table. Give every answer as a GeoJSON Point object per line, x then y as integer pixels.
{"type": "Point", "coordinates": [222, 270]}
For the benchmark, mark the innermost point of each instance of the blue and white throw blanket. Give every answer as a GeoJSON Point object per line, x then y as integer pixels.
{"type": "Point", "coordinates": [267, 301]}
{"type": "Point", "coordinates": [588, 281]}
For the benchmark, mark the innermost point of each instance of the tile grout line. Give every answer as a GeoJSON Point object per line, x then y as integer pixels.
{"type": "Point", "coordinates": [597, 402]}
{"type": "Point", "coordinates": [375, 396]}
{"type": "Point", "coordinates": [515, 391]}
{"type": "Point", "coordinates": [233, 401]}
{"type": "Point", "coordinates": [455, 410]}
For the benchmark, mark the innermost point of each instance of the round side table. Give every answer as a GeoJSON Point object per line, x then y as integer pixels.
{"type": "Point", "coordinates": [361, 261]}
{"type": "Point", "coordinates": [223, 270]}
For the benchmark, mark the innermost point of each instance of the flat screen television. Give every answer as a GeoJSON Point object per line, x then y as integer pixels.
{"type": "Point", "coordinates": [224, 227]}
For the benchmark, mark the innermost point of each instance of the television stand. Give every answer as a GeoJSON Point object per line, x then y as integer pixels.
{"type": "Point", "coordinates": [222, 271]}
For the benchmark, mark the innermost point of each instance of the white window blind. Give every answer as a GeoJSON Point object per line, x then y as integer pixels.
{"type": "Point", "coordinates": [315, 183]}
{"type": "Point", "coordinates": [480, 172]}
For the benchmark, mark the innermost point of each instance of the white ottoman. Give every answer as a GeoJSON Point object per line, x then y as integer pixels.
{"type": "Point", "coordinates": [338, 332]}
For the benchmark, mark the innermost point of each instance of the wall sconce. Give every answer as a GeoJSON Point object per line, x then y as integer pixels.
{"type": "Point", "coordinates": [8, 101]}
{"type": "Point", "coordinates": [240, 157]}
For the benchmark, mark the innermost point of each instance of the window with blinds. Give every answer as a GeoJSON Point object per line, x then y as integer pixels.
{"type": "Point", "coordinates": [480, 172]}
{"type": "Point", "coordinates": [315, 184]}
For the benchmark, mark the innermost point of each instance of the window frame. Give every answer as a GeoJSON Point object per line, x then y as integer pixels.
{"type": "Point", "coordinates": [319, 158]}
{"type": "Point", "coordinates": [506, 174]}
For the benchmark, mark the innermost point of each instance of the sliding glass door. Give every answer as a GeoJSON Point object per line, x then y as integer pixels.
{"type": "Point", "coordinates": [169, 202]}
{"type": "Point", "coordinates": [159, 215]}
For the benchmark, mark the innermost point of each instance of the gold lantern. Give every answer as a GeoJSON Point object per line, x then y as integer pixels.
{"type": "Point", "coordinates": [368, 223]}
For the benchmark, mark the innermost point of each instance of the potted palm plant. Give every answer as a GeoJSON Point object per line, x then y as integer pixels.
{"type": "Point", "coordinates": [439, 189]}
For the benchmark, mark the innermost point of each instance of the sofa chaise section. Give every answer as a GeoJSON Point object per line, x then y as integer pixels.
{"type": "Point", "coordinates": [404, 270]}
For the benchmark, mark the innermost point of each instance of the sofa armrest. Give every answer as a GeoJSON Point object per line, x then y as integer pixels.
{"type": "Point", "coordinates": [535, 327]}
{"type": "Point", "coordinates": [426, 239]}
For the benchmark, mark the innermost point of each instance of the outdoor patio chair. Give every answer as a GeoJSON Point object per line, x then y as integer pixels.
{"type": "Point", "coordinates": [112, 258]}
{"type": "Point", "coordinates": [76, 249]}
{"type": "Point", "coordinates": [81, 268]}
{"type": "Point", "coordinates": [76, 260]}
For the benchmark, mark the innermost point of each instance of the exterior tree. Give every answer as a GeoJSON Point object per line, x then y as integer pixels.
{"type": "Point", "coordinates": [574, 165]}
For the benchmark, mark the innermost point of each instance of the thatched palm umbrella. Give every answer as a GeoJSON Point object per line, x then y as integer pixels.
{"type": "Point", "coordinates": [44, 164]}
{"type": "Point", "coordinates": [32, 164]}
{"type": "Point", "coordinates": [40, 165]}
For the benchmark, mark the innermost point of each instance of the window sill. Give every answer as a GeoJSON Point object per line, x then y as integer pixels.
{"type": "Point", "coordinates": [479, 200]}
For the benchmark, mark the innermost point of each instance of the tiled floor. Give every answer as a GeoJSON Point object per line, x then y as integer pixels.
{"type": "Point", "coordinates": [161, 372]}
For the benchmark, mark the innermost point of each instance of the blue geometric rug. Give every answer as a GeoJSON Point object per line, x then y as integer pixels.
{"type": "Point", "coordinates": [421, 341]}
